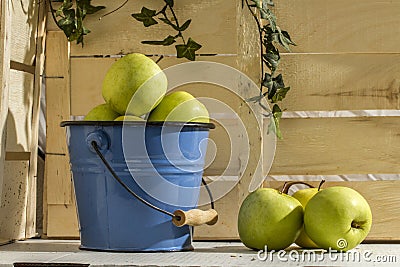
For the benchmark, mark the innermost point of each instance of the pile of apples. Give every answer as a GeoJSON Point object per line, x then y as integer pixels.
{"type": "Point", "coordinates": [135, 87]}
{"type": "Point", "coordinates": [336, 218]}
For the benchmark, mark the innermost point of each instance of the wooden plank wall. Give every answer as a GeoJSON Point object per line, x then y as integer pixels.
{"type": "Point", "coordinates": [22, 60]}
{"type": "Point", "coordinates": [344, 61]}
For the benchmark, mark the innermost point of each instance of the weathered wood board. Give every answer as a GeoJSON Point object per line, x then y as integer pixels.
{"type": "Point", "coordinates": [341, 26]}
{"type": "Point", "coordinates": [359, 145]}
{"type": "Point", "coordinates": [356, 81]}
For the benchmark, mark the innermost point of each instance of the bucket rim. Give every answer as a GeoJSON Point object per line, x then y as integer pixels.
{"type": "Point", "coordinates": [140, 123]}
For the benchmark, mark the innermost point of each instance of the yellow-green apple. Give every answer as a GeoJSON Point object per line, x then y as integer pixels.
{"type": "Point", "coordinates": [180, 106]}
{"type": "Point", "coordinates": [134, 85]}
{"type": "Point", "coordinates": [269, 219]}
{"type": "Point", "coordinates": [102, 112]}
{"type": "Point", "coordinates": [128, 118]}
{"type": "Point", "coordinates": [303, 196]}
{"type": "Point", "coordinates": [337, 217]}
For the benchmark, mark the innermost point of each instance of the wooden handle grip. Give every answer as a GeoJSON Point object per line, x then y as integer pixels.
{"type": "Point", "coordinates": [195, 217]}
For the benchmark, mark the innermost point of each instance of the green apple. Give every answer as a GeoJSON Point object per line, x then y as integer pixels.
{"type": "Point", "coordinates": [337, 217]}
{"type": "Point", "coordinates": [180, 106]}
{"type": "Point", "coordinates": [129, 118]}
{"type": "Point", "coordinates": [269, 218]}
{"type": "Point", "coordinates": [102, 112]}
{"type": "Point", "coordinates": [303, 196]}
{"type": "Point", "coordinates": [134, 85]}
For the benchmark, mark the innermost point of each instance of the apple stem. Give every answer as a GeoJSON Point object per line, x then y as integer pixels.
{"type": "Point", "coordinates": [320, 184]}
{"type": "Point", "coordinates": [286, 186]}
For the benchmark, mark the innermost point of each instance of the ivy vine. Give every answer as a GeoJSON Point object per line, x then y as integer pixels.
{"type": "Point", "coordinates": [70, 15]}
{"type": "Point", "coordinates": [187, 49]}
{"type": "Point", "coordinates": [272, 86]}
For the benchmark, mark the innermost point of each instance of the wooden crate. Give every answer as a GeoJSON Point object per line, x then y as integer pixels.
{"type": "Point", "coordinates": [22, 25]}
{"type": "Point", "coordinates": [351, 63]}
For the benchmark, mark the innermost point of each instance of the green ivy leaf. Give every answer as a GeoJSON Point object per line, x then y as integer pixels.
{"type": "Point", "coordinates": [189, 50]}
{"type": "Point", "coordinates": [287, 37]}
{"type": "Point", "coordinates": [274, 126]}
{"type": "Point", "coordinates": [185, 25]}
{"type": "Point", "coordinates": [274, 85]}
{"type": "Point", "coordinates": [283, 40]}
{"type": "Point", "coordinates": [71, 18]}
{"type": "Point", "coordinates": [267, 80]}
{"type": "Point", "coordinates": [271, 60]}
{"type": "Point", "coordinates": [169, 40]}
{"type": "Point", "coordinates": [169, 2]}
{"type": "Point", "coordinates": [280, 94]}
{"type": "Point", "coordinates": [266, 13]}
{"type": "Point", "coordinates": [146, 16]}
{"type": "Point", "coordinates": [88, 8]}
{"type": "Point", "coordinates": [67, 4]}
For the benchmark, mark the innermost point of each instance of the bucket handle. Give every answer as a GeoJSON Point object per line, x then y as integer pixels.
{"type": "Point", "coordinates": [193, 217]}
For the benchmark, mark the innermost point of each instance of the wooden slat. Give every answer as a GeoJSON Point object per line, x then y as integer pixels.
{"type": "Point", "coordinates": [33, 186]}
{"type": "Point", "coordinates": [57, 107]}
{"type": "Point", "coordinates": [382, 197]}
{"type": "Point", "coordinates": [22, 67]}
{"type": "Point", "coordinates": [5, 53]}
{"type": "Point", "coordinates": [120, 33]}
{"type": "Point", "coordinates": [341, 26]}
{"type": "Point", "coordinates": [57, 174]}
{"type": "Point", "coordinates": [59, 184]}
{"type": "Point", "coordinates": [57, 91]}
{"type": "Point", "coordinates": [13, 208]}
{"type": "Point", "coordinates": [57, 55]}
{"type": "Point", "coordinates": [359, 145]}
{"type": "Point", "coordinates": [341, 81]}
{"type": "Point", "coordinates": [344, 82]}
{"type": "Point", "coordinates": [24, 30]}
{"type": "Point", "coordinates": [62, 221]}
{"type": "Point", "coordinates": [19, 119]}
{"type": "Point", "coordinates": [18, 156]}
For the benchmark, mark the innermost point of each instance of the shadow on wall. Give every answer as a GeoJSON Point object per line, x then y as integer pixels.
{"type": "Point", "coordinates": [13, 198]}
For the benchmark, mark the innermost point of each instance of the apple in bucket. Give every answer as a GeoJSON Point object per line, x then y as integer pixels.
{"type": "Point", "coordinates": [129, 118]}
{"type": "Point", "coordinates": [180, 106]}
{"type": "Point", "coordinates": [102, 112]}
{"type": "Point", "coordinates": [134, 85]}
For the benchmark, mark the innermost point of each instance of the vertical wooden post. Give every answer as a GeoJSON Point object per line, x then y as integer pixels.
{"type": "Point", "coordinates": [58, 194]}
{"type": "Point", "coordinates": [250, 146]}
{"type": "Point", "coordinates": [249, 63]}
{"type": "Point", "coordinates": [5, 54]}
{"type": "Point", "coordinates": [39, 70]}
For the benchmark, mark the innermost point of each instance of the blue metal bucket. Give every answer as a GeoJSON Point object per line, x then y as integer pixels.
{"type": "Point", "coordinates": [110, 218]}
